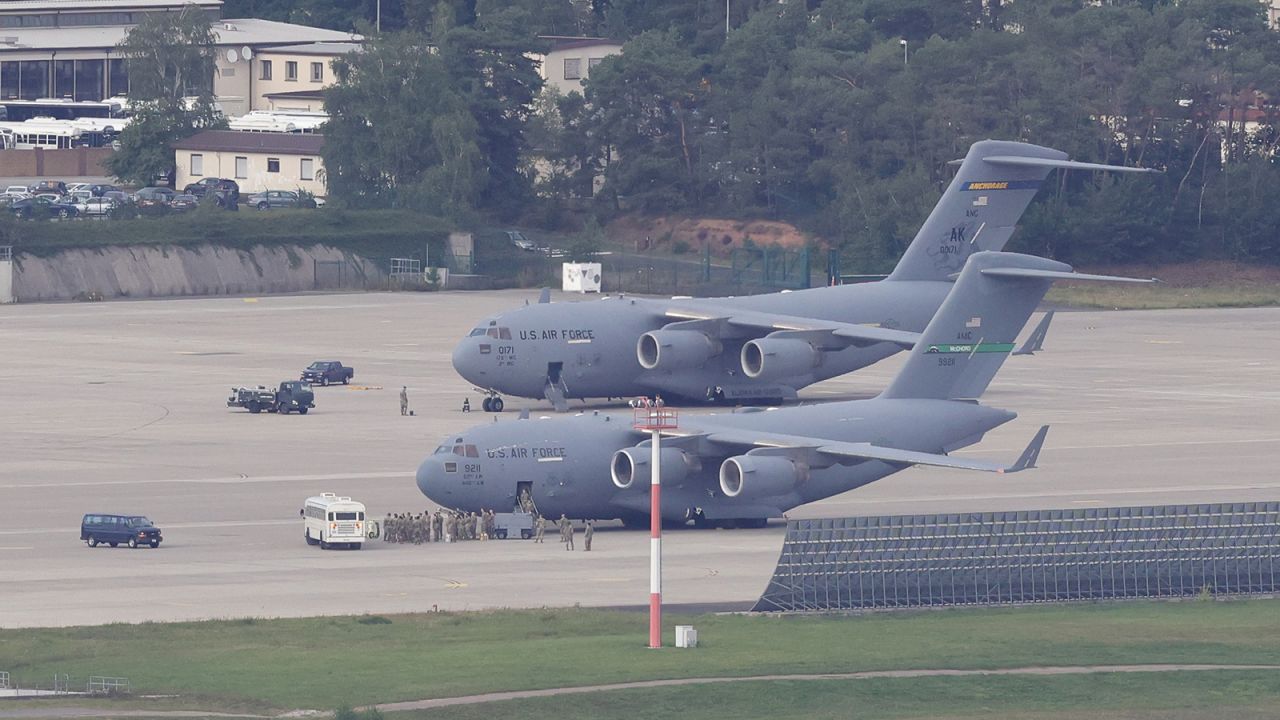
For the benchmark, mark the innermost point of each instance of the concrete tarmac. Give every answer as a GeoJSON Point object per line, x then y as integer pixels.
{"type": "Point", "coordinates": [120, 408]}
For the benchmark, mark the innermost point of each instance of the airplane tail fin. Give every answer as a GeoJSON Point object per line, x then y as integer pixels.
{"type": "Point", "coordinates": [973, 332]}
{"type": "Point", "coordinates": [981, 207]}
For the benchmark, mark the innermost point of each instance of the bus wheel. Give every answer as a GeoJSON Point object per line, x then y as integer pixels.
{"type": "Point", "coordinates": [323, 545]}
{"type": "Point", "coordinates": [310, 540]}
{"type": "Point", "coordinates": [93, 541]}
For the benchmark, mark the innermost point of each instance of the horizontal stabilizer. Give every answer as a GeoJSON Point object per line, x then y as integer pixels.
{"type": "Point", "coordinates": [1015, 272]}
{"type": "Point", "coordinates": [1038, 162]}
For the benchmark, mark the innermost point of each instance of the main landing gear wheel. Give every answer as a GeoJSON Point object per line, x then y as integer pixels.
{"type": "Point", "coordinates": [496, 404]}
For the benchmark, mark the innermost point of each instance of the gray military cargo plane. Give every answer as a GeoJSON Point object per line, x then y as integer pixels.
{"type": "Point", "coordinates": [743, 468]}
{"type": "Point", "coordinates": [766, 347]}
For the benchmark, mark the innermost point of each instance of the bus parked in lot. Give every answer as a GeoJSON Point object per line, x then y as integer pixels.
{"type": "Point", "coordinates": [330, 520]}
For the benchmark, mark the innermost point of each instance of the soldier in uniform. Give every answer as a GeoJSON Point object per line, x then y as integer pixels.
{"type": "Point", "coordinates": [586, 535]}
{"type": "Point", "coordinates": [563, 522]}
{"type": "Point", "coordinates": [539, 528]}
{"type": "Point", "coordinates": [386, 529]}
{"type": "Point", "coordinates": [404, 400]}
{"type": "Point", "coordinates": [568, 536]}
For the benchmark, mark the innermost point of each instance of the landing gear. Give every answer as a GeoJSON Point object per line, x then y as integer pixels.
{"type": "Point", "coordinates": [491, 403]}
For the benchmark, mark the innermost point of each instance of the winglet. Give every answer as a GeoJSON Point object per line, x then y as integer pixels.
{"type": "Point", "coordinates": [1035, 341]}
{"type": "Point", "coordinates": [545, 297]}
{"type": "Point", "coordinates": [1029, 456]}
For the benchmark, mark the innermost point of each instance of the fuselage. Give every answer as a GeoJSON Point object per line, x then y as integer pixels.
{"type": "Point", "coordinates": [564, 462]}
{"type": "Point", "coordinates": [589, 347]}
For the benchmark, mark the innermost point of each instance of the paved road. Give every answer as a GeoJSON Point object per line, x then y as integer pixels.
{"type": "Point", "coordinates": [119, 407]}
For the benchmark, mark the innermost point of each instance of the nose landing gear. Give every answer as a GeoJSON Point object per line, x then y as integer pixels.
{"type": "Point", "coordinates": [492, 402]}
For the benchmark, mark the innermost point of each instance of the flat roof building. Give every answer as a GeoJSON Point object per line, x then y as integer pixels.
{"type": "Point", "coordinates": [256, 161]}
{"type": "Point", "coordinates": [66, 49]}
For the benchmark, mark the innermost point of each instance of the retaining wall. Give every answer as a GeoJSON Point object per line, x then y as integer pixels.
{"type": "Point", "coordinates": [168, 271]}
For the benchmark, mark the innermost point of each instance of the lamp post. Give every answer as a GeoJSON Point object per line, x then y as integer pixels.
{"type": "Point", "coordinates": [903, 43]}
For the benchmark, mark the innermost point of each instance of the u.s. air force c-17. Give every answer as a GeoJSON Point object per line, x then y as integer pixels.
{"type": "Point", "coordinates": [766, 347]}
{"type": "Point", "coordinates": [743, 468]}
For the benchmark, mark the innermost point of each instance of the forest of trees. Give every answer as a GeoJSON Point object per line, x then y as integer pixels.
{"type": "Point", "coordinates": [817, 114]}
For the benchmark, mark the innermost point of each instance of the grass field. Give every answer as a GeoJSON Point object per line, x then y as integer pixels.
{"type": "Point", "coordinates": [1161, 297]}
{"type": "Point", "coordinates": [1167, 696]}
{"type": "Point", "coordinates": [260, 665]}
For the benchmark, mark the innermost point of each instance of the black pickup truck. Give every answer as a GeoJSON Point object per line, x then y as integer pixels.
{"type": "Point", "coordinates": [324, 372]}
{"type": "Point", "coordinates": [291, 396]}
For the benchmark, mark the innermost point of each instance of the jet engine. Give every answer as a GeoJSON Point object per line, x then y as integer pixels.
{"type": "Point", "coordinates": [631, 465]}
{"type": "Point", "coordinates": [772, 358]}
{"type": "Point", "coordinates": [675, 349]}
{"type": "Point", "coordinates": [759, 476]}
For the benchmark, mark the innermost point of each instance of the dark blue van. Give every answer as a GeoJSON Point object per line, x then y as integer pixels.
{"type": "Point", "coordinates": [132, 530]}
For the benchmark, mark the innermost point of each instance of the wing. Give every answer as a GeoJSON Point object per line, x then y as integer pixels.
{"type": "Point", "coordinates": [825, 335]}
{"type": "Point", "coordinates": [818, 452]}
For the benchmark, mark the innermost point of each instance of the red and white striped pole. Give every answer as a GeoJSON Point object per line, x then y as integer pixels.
{"type": "Point", "coordinates": [655, 536]}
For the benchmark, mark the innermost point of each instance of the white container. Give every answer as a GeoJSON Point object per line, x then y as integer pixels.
{"type": "Point", "coordinates": [686, 636]}
{"type": "Point", "coordinates": [581, 277]}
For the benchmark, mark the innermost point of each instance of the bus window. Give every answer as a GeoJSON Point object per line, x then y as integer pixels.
{"type": "Point", "coordinates": [330, 517]}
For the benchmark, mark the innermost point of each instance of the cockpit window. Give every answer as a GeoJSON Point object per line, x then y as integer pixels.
{"type": "Point", "coordinates": [472, 452]}
{"type": "Point", "coordinates": [477, 332]}
{"type": "Point", "coordinates": [443, 449]}
{"type": "Point", "coordinates": [504, 333]}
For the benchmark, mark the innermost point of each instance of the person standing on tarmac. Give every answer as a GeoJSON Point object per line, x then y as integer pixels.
{"type": "Point", "coordinates": [539, 528]}
{"type": "Point", "coordinates": [586, 535]}
{"type": "Point", "coordinates": [404, 400]}
{"type": "Point", "coordinates": [568, 537]}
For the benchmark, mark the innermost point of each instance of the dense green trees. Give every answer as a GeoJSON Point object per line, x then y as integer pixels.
{"type": "Point", "coordinates": [840, 115]}
{"type": "Point", "coordinates": [170, 59]}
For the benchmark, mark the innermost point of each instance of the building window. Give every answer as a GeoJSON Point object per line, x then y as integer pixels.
{"type": "Point", "coordinates": [592, 63]}
{"type": "Point", "coordinates": [307, 169]}
{"type": "Point", "coordinates": [317, 72]}
{"type": "Point", "coordinates": [64, 79]}
{"type": "Point", "coordinates": [291, 71]}
{"type": "Point", "coordinates": [273, 165]}
{"type": "Point", "coordinates": [9, 79]}
{"type": "Point", "coordinates": [242, 167]}
{"type": "Point", "coordinates": [118, 78]}
{"type": "Point", "coordinates": [266, 69]}
{"type": "Point", "coordinates": [91, 76]}
{"type": "Point", "coordinates": [197, 165]}
{"type": "Point", "coordinates": [572, 68]}
{"type": "Point", "coordinates": [33, 79]}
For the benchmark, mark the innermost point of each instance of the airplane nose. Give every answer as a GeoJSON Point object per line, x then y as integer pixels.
{"type": "Point", "coordinates": [431, 480]}
{"type": "Point", "coordinates": [466, 361]}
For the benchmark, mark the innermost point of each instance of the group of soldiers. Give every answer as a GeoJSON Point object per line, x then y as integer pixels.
{"type": "Point", "coordinates": [567, 532]}
{"type": "Point", "coordinates": [440, 526]}
{"type": "Point", "coordinates": [455, 525]}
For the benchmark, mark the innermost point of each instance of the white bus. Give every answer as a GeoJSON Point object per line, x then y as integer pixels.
{"type": "Point", "coordinates": [330, 520]}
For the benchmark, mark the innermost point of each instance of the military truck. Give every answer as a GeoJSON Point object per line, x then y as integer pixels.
{"type": "Point", "coordinates": [291, 396]}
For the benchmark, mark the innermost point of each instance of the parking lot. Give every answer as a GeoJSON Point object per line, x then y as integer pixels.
{"type": "Point", "coordinates": [120, 408]}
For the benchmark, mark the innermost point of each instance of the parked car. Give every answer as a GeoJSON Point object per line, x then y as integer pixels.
{"type": "Point", "coordinates": [206, 184]}
{"type": "Point", "coordinates": [276, 199]}
{"type": "Point", "coordinates": [78, 196]}
{"type": "Point", "coordinates": [184, 203]}
{"type": "Point", "coordinates": [56, 187]}
{"type": "Point", "coordinates": [27, 208]}
{"type": "Point", "coordinates": [96, 207]}
{"type": "Point", "coordinates": [119, 196]}
{"type": "Point", "coordinates": [323, 372]}
{"type": "Point", "coordinates": [78, 186]}
{"type": "Point", "coordinates": [150, 196]}
{"type": "Point", "coordinates": [17, 191]}
{"type": "Point", "coordinates": [101, 189]}
{"type": "Point", "coordinates": [133, 530]}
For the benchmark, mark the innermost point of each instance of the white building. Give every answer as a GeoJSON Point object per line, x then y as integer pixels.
{"type": "Point", "coordinates": [257, 161]}
{"type": "Point", "coordinates": [66, 49]}
{"type": "Point", "coordinates": [570, 60]}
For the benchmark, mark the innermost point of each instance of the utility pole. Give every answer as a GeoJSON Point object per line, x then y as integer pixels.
{"type": "Point", "coordinates": [726, 17]}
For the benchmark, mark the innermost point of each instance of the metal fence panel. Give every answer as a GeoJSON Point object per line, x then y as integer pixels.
{"type": "Point", "coordinates": [1026, 556]}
